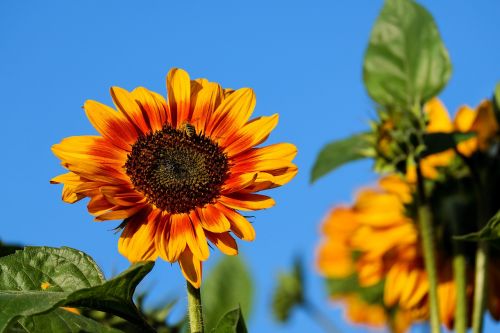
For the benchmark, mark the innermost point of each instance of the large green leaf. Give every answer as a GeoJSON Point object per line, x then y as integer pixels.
{"type": "Point", "coordinates": [338, 153]}
{"type": "Point", "coordinates": [490, 232]}
{"type": "Point", "coordinates": [439, 141]}
{"type": "Point", "coordinates": [226, 287]}
{"type": "Point", "coordinates": [231, 322]}
{"type": "Point", "coordinates": [40, 279]}
{"type": "Point", "coordinates": [406, 63]}
{"type": "Point", "coordinates": [289, 292]}
{"type": "Point", "coordinates": [60, 320]}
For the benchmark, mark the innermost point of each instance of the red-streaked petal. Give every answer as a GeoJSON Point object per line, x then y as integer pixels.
{"type": "Point", "coordinates": [125, 103]}
{"type": "Point", "coordinates": [180, 226]}
{"type": "Point", "coordinates": [247, 201]}
{"type": "Point", "coordinates": [239, 224]}
{"type": "Point", "coordinates": [213, 219]}
{"type": "Point", "coordinates": [252, 134]}
{"type": "Point", "coordinates": [278, 151]}
{"type": "Point", "coordinates": [200, 248]}
{"type": "Point", "coordinates": [179, 95]}
{"type": "Point", "coordinates": [154, 106]}
{"type": "Point", "coordinates": [191, 268]}
{"type": "Point", "coordinates": [204, 104]}
{"type": "Point", "coordinates": [120, 214]}
{"type": "Point", "coordinates": [232, 114]}
{"type": "Point", "coordinates": [111, 124]}
{"type": "Point", "coordinates": [224, 242]}
{"type": "Point", "coordinates": [237, 182]}
{"type": "Point", "coordinates": [136, 242]}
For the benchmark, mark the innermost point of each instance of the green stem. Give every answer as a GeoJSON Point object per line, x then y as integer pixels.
{"type": "Point", "coordinates": [427, 234]}
{"type": "Point", "coordinates": [194, 309]}
{"type": "Point", "coordinates": [460, 277]}
{"type": "Point", "coordinates": [319, 317]}
{"type": "Point", "coordinates": [480, 287]}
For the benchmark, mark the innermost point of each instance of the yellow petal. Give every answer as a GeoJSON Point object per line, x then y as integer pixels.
{"type": "Point", "coordinates": [191, 268]}
{"type": "Point", "coordinates": [179, 94]}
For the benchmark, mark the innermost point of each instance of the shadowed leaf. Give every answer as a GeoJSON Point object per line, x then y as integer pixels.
{"type": "Point", "coordinates": [227, 286]}
{"type": "Point", "coordinates": [338, 153]}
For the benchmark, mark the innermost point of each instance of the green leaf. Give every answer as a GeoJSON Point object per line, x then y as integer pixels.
{"type": "Point", "coordinates": [438, 142]}
{"type": "Point", "coordinates": [227, 286]}
{"type": "Point", "coordinates": [490, 232]}
{"type": "Point", "coordinates": [406, 63]}
{"type": "Point", "coordinates": [289, 292]}
{"type": "Point", "coordinates": [496, 102]}
{"type": "Point", "coordinates": [40, 279]}
{"type": "Point", "coordinates": [60, 320]}
{"type": "Point", "coordinates": [338, 153]}
{"type": "Point", "coordinates": [231, 322]}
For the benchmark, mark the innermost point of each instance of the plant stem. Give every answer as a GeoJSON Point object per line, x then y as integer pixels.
{"type": "Point", "coordinates": [319, 317]}
{"type": "Point", "coordinates": [194, 309]}
{"type": "Point", "coordinates": [427, 234]}
{"type": "Point", "coordinates": [480, 287]}
{"type": "Point", "coordinates": [460, 277]}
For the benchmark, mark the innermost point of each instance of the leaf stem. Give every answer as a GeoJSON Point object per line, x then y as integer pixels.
{"type": "Point", "coordinates": [195, 310]}
{"type": "Point", "coordinates": [319, 317]}
{"type": "Point", "coordinates": [427, 234]}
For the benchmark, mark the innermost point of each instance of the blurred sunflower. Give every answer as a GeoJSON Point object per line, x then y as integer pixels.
{"type": "Point", "coordinates": [177, 171]}
{"type": "Point", "coordinates": [375, 243]}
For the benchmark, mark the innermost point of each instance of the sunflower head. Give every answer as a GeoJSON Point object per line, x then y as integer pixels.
{"type": "Point", "coordinates": [176, 171]}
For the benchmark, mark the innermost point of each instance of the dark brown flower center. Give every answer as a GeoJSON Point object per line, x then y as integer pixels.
{"type": "Point", "coordinates": [177, 170]}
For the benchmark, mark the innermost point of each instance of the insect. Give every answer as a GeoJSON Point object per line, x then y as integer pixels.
{"type": "Point", "coordinates": [189, 129]}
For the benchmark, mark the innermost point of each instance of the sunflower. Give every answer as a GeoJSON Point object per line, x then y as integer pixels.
{"type": "Point", "coordinates": [177, 172]}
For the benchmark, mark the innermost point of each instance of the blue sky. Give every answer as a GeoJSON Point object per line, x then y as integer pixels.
{"type": "Point", "coordinates": [303, 59]}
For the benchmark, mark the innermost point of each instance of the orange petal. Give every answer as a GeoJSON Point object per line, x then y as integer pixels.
{"type": "Point", "coordinates": [179, 93]}
{"type": "Point", "coordinates": [154, 106]}
{"type": "Point", "coordinates": [252, 134]}
{"type": "Point", "coordinates": [239, 224]}
{"type": "Point", "coordinates": [120, 214]}
{"type": "Point", "coordinates": [137, 239]}
{"type": "Point", "coordinates": [125, 102]}
{"type": "Point", "coordinates": [111, 124]}
{"type": "Point", "coordinates": [204, 103]}
{"type": "Point", "coordinates": [212, 219]}
{"type": "Point", "coordinates": [232, 114]}
{"type": "Point", "coordinates": [224, 242]}
{"type": "Point", "coordinates": [237, 182]}
{"type": "Point", "coordinates": [278, 151]}
{"type": "Point", "coordinates": [247, 201]}
{"type": "Point", "coordinates": [191, 268]}
{"type": "Point", "coordinates": [180, 226]}
{"type": "Point", "coordinates": [198, 242]}
{"type": "Point", "coordinates": [70, 181]}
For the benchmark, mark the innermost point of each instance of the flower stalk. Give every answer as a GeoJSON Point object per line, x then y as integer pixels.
{"type": "Point", "coordinates": [427, 234]}
{"type": "Point", "coordinates": [195, 310]}
{"type": "Point", "coordinates": [460, 277]}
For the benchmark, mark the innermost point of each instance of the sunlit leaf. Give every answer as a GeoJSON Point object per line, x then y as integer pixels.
{"type": "Point", "coordinates": [231, 322]}
{"type": "Point", "coordinates": [227, 286]}
{"type": "Point", "coordinates": [41, 279]}
{"type": "Point", "coordinates": [406, 63]}
{"type": "Point", "coordinates": [338, 153]}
